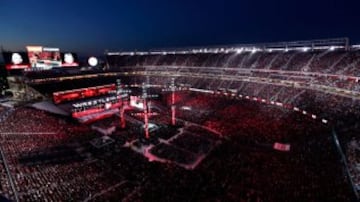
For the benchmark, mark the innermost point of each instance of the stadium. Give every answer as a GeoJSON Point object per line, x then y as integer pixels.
{"type": "Point", "coordinates": [245, 122]}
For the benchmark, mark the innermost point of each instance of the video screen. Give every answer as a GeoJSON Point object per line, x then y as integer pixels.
{"type": "Point", "coordinates": [69, 60]}
{"type": "Point", "coordinates": [44, 57]}
{"type": "Point", "coordinates": [16, 60]}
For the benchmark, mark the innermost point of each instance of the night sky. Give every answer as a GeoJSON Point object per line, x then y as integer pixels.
{"type": "Point", "coordinates": [90, 27]}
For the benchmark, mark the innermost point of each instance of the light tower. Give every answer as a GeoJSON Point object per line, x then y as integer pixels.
{"type": "Point", "coordinates": [146, 112]}
{"type": "Point", "coordinates": [146, 116]}
{"type": "Point", "coordinates": [123, 95]}
{"type": "Point", "coordinates": [172, 88]}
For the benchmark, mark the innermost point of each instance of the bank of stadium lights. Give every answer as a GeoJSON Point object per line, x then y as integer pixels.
{"type": "Point", "coordinates": [16, 58]}
{"type": "Point", "coordinates": [306, 49]}
{"type": "Point", "coordinates": [93, 61]}
{"type": "Point", "coordinates": [254, 50]}
{"type": "Point", "coordinates": [239, 50]}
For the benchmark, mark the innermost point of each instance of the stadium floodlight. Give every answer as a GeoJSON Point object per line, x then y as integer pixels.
{"type": "Point", "coordinates": [93, 61]}
{"type": "Point", "coordinates": [16, 58]}
{"type": "Point", "coordinates": [253, 50]}
{"type": "Point", "coordinates": [305, 49]}
{"type": "Point", "coordinates": [239, 50]}
{"type": "Point", "coordinates": [332, 48]}
{"type": "Point", "coordinates": [68, 58]}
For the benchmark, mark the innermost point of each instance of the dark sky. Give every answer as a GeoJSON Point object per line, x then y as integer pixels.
{"type": "Point", "coordinates": [90, 27]}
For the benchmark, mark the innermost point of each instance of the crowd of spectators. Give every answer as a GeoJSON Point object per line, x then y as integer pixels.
{"type": "Point", "coordinates": [51, 159]}
{"type": "Point", "coordinates": [5, 112]}
{"type": "Point", "coordinates": [253, 128]}
{"type": "Point", "coordinates": [325, 61]}
{"type": "Point", "coordinates": [243, 168]}
{"type": "Point", "coordinates": [42, 152]}
{"type": "Point", "coordinates": [353, 157]}
{"type": "Point", "coordinates": [321, 70]}
{"type": "Point", "coordinates": [350, 143]}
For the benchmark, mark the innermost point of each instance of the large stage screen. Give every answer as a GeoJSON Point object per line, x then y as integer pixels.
{"type": "Point", "coordinates": [16, 60]}
{"type": "Point", "coordinates": [44, 57]}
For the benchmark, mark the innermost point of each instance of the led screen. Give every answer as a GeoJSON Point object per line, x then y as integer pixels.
{"type": "Point", "coordinates": [44, 57]}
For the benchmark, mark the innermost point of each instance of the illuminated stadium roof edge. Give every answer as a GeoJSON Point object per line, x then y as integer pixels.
{"type": "Point", "coordinates": [319, 44]}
